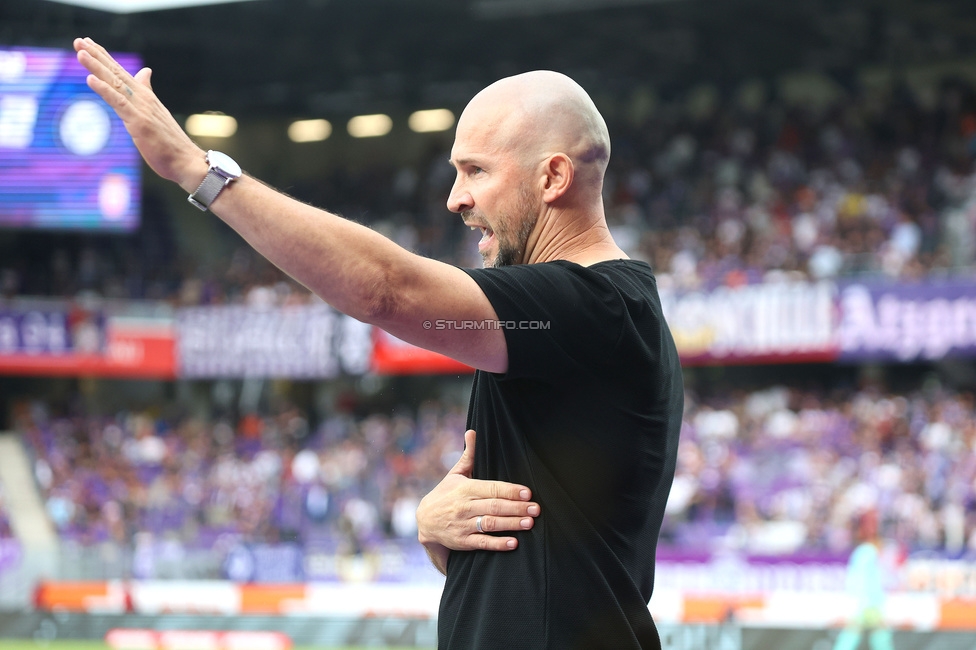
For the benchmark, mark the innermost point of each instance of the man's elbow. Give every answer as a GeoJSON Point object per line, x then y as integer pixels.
{"type": "Point", "coordinates": [382, 299]}
{"type": "Point", "coordinates": [381, 306]}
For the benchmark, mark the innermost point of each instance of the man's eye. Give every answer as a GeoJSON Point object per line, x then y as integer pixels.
{"type": "Point", "coordinates": [476, 170]}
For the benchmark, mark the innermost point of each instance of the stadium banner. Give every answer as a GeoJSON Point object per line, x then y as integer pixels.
{"type": "Point", "coordinates": [907, 322]}
{"type": "Point", "coordinates": [295, 342]}
{"type": "Point", "coordinates": [758, 323]}
{"type": "Point", "coordinates": [252, 633]}
{"type": "Point", "coordinates": [139, 347]}
{"type": "Point", "coordinates": [782, 322]}
{"type": "Point", "coordinates": [50, 332]}
{"type": "Point", "coordinates": [132, 639]}
{"type": "Point", "coordinates": [51, 340]}
{"type": "Point", "coordinates": [734, 573]}
{"type": "Point", "coordinates": [763, 323]}
{"type": "Point", "coordinates": [68, 340]}
{"type": "Point", "coordinates": [265, 563]}
{"type": "Point", "coordinates": [399, 561]}
{"type": "Point", "coordinates": [244, 632]}
{"type": "Point", "coordinates": [950, 579]}
{"type": "Point", "coordinates": [776, 607]}
{"type": "Point", "coordinates": [751, 324]}
{"type": "Point", "coordinates": [825, 321]}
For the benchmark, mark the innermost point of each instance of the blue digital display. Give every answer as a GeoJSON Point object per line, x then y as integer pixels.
{"type": "Point", "coordinates": [66, 160]}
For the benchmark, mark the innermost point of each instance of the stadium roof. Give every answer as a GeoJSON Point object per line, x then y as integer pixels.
{"type": "Point", "coordinates": [303, 58]}
{"type": "Point", "coordinates": [133, 6]}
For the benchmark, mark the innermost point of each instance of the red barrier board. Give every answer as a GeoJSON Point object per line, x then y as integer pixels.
{"type": "Point", "coordinates": [132, 348]}
{"type": "Point", "coordinates": [391, 356]}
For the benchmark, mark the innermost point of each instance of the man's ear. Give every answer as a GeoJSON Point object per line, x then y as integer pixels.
{"type": "Point", "coordinates": [559, 172]}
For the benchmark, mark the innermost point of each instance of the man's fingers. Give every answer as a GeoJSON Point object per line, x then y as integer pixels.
{"type": "Point", "coordinates": [502, 490]}
{"type": "Point", "coordinates": [490, 524]}
{"type": "Point", "coordinates": [496, 508]}
{"type": "Point", "coordinates": [105, 91]}
{"type": "Point", "coordinates": [95, 59]}
{"type": "Point", "coordinates": [504, 508]}
{"type": "Point", "coordinates": [492, 543]}
{"type": "Point", "coordinates": [462, 513]}
{"type": "Point", "coordinates": [100, 63]}
{"type": "Point", "coordinates": [93, 65]}
{"type": "Point", "coordinates": [144, 76]}
{"type": "Point", "coordinates": [99, 79]}
{"type": "Point", "coordinates": [465, 464]}
{"type": "Point", "coordinates": [101, 55]}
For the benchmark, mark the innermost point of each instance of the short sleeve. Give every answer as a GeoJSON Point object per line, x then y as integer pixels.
{"type": "Point", "coordinates": [559, 318]}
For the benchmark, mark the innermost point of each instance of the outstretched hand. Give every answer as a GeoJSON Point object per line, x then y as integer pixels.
{"type": "Point", "coordinates": [461, 512]}
{"type": "Point", "coordinates": [166, 148]}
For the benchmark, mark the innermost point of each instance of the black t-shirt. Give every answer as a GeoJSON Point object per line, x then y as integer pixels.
{"type": "Point", "coordinates": [587, 416]}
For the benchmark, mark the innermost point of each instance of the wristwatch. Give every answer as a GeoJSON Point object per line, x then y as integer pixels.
{"type": "Point", "coordinates": [223, 171]}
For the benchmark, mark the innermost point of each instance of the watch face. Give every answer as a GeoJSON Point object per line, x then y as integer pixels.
{"type": "Point", "coordinates": [224, 164]}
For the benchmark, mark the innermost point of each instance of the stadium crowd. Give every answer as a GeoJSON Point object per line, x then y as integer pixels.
{"type": "Point", "coordinates": [716, 191]}
{"type": "Point", "coordinates": [5, 530]}
{"type": "Point", "coordinates": [776, 470]}
{"type": "Point", "coordinates": [710, 190]}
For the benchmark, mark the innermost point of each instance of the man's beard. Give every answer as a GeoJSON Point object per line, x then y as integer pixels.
{"type": "Point", "coordinates": [512, 235]}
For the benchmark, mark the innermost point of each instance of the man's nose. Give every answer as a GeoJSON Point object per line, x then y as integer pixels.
{"type": "Point", "coordinates": [459, 199]}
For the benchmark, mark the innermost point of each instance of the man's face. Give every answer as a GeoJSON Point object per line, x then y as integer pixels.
{"type": "Point", "coordinates": [493, 193]}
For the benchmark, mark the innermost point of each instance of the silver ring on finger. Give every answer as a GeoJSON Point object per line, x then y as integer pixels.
{"type": "Point", "coordinates": [477, 524]}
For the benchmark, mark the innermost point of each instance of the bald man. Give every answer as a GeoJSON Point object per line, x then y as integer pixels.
{"type": "Point", "coordinates": [547, 527]}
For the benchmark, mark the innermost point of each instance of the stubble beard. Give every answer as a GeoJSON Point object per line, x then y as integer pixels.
{"type": "Point", "coordinates": [512, 233]}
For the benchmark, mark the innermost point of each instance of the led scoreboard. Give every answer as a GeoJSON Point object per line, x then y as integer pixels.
{"type": "Point", "coordinates": [66, 160]}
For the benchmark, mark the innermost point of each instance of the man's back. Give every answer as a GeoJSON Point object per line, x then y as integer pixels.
{"type": "Point", "coordinates": [588, 416]}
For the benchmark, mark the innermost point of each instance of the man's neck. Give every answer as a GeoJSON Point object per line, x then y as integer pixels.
{"type": "Point", "coordinates": [575, 238]}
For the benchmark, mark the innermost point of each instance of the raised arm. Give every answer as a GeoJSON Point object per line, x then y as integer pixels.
{"type": "Point", "coordinates": [351, 267]}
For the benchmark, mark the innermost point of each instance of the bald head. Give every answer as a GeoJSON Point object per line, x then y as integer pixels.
{"type": "Point", "coordinates": [537, 114]}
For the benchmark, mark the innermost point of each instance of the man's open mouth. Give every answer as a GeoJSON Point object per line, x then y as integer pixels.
{"type": "Point", "coordinates": [487, 234]}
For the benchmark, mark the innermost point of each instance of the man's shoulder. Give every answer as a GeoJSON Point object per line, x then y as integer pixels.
{"type": "Point", "coordinates": [608, 282]}
{"type": "Point", "coordinates": [566, 268]}
{"type": "Point", "coordinates": [623, 267]}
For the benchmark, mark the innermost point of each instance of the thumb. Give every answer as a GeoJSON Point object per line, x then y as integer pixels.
{"type": "Point", "coordinates": [465, 464]}
{"type": "Point", "coordinates": [143, 77]}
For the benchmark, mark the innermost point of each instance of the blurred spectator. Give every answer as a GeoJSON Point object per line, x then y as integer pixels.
{"type": "Point", "coordinates": [354, 482]}
{"type": "Point", "coordinates": [5, 530]}
{"type": "Point", "coordinates": [784, 470]}
{"type": "Point", "coordinates": [725, 196]}
{"type": "Point", "coordinates": [731, 195]}
{"type": "Point", "coordinates": [778, 470]}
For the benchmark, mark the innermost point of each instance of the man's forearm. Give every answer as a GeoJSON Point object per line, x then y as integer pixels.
{"type": "Point", "coordinates": [354, 269]}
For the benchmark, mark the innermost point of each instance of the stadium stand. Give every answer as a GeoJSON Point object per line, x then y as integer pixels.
{"type": "Point", "coordinates": [769, 471]}
{"type": "Point", "coordinates": [725, 190]}
{"type": "Point", "coordinates": [289, 503]}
